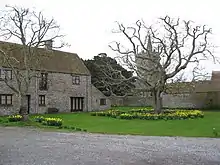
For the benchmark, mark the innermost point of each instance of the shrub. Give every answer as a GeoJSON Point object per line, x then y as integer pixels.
{"type": "Point", "coordinates": [78, 129]}
{"type": "Point", "coordinates": [52, 122]}
{"type": "Point", "coordinates": [126, 116]}
{"type": "Point", "coordinates": [93, 113]}
{"type": "Point", "coordinates": [65, 127]}
{"type": "Point", "coordinates": [215, 132]}
{"type": "Point", "coordinates": [109, 113]}
{"type": "Point", "coordinates": [39, 119]}
{"type": "Point", "coordinates": [14, 118]}
{"type": "Point", "coordinates": [142, 109]}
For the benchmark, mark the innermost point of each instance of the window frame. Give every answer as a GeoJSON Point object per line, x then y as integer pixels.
{"type": "Point", "coordinates": [43, 84]}
{"type": "Point", "coordinates": [75, 79]}
{"type": "Point", "coordinates": [5, 72]}
{"type": "Point", "coordinates": [7, 98]}
{"type": "Point", "coordinates": [103, 101]}
{"type": "Point", "coordinates": [42, 100]}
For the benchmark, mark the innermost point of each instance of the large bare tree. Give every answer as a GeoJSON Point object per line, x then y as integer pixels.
{"type": "Point", "coordinates": [161, 52]}
{"type": "Point", "coordinates": [31, 30]}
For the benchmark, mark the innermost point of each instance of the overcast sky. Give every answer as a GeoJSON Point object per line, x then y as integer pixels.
{"type": "Point", "coordinates": [88, 23]}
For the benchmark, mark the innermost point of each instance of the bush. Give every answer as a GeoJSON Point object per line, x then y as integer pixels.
{"type": "Point", "coordinates": [78, 129]}
{"type": "Point", "coordinates": [93, 113]}
{"type": "Point", "coordinates": [52, 122]}
{"type": "Point", "coordinates": [14, 118]}
{"type": "Point", "coordinates": [39, 119]}
{"type": "Point", "coordinates": [56, 122]}
{"type": "Point", "coordinates": [126, 116]}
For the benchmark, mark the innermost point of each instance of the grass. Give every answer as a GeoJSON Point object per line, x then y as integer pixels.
{"type": "Point", "coordinates": [202, 127]}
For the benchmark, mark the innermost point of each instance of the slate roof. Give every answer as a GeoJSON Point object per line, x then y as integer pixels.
{"type": "Point", "coordinates": [47, 60]}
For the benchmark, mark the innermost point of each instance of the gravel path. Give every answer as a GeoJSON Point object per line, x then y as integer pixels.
{"type": "Point", "coordinates": [20, 146]}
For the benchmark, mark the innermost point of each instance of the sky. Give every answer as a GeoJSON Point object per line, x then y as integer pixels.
{"type": "Point", "coordinates": [88, 24]}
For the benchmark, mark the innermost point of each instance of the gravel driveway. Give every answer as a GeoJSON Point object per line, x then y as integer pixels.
{"type": "Point", "coordinates": [22, 146]}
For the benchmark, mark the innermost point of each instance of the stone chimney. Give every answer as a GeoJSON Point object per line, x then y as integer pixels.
{"type": "Point", "coordinates": [49, 44]}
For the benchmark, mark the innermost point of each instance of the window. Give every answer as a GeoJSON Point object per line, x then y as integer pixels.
{"type": "Point", "coordinates": [102, 101]}
{"type": "Point", "coordinates": [5, 99]}
{"type": "Point", "coordinates": [43, 81]}
{"type": "Point", "coordinates": [76, 80]}
{"type": "Point", "coordinates": [5, 74]}
{"type": "Point", "coordinates": [42, 101]}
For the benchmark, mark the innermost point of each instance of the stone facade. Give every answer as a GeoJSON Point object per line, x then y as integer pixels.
{"type": "Point", "coordinates": [60, 89]}
{"type": "Point", "coordinates": [61, 92]}
{"type": "Point", "coordinates": [99, 100]}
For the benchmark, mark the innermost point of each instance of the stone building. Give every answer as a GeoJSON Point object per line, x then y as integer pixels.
{"type": "Point", "coordinates": [147, 68]}
{"type": "Point", "coordinates": [64, 83]}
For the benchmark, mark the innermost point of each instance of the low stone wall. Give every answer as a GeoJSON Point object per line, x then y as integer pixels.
{"type": "Point", "coordinates": [184, 101]}
{"type": "Point", "coordinates": [130, 101]}
{"type": "Point", "coordinates": [193, 100]}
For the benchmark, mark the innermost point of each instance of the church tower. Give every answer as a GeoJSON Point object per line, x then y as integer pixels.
{"type": "Point", "coordinates": [146, 62]}
{"type": "Point", "coordinates": [147, 58]}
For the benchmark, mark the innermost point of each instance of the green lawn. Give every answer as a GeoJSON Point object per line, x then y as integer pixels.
{"type": "Point", "coordinates": [202, 127]}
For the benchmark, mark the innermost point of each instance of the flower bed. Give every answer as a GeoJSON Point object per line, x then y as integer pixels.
{"type": "Point", "coordinates": [52, 122]}
{"type": "Point", "coordinates": [49, 121]}
{"type": "Point", "coordinates": [39, 119]}
{"type": "Point", "coordinates": [56, 122]}
{"type": "Point", "coordinates": [150, 115]}
{"type": "Point", "coordinates": [109, 113]}
{"type": "Point", "coordinates": [14, 118]}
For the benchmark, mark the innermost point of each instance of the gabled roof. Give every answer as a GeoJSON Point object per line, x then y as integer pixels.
{"type": "Point", "coordinates": [48, 60]}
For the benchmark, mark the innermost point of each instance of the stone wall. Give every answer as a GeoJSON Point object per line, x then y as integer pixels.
{"type": "Point", "coordinates": [130, 101]}
{"type": "Point", "coordinates": [193, 100]}
{"type": "Point", "coordinates": [14, 108]}
{"type": "Point", "coordinates": [184, 100]}
{"type": "Point", "coordinates": [202, 94]}
{"type": "Point", "coordinates": [58, 94]}
{"type": "Point", "coordinates": [60, 89]}
{"type": "Point", "coordinates": [96, 97]}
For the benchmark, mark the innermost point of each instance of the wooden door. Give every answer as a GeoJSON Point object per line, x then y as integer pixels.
{"type": "Point", "coordinates": [76, 104]}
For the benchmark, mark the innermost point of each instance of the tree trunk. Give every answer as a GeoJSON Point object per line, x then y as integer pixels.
{"type": "Point", "coordinates": [157, 101]}
{"type": "Point", "coordinates": [23, 107]}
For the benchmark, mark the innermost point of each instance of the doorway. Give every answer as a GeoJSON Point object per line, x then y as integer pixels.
{"type": "Point", "coordinates": [76, 104]}
{"type": "Point", "coordinates": [28, 103]}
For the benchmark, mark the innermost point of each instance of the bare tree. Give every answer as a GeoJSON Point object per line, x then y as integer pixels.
{"type": "Point", "coordinates": [158, 54]}
{"type": "Point", "coordinates": [32, 30]}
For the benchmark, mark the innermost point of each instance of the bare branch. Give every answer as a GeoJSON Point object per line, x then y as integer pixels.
{"type": "Point", "coordinates": [32, 29]}
{"type": "Point", "coordinates": [178, 44]}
